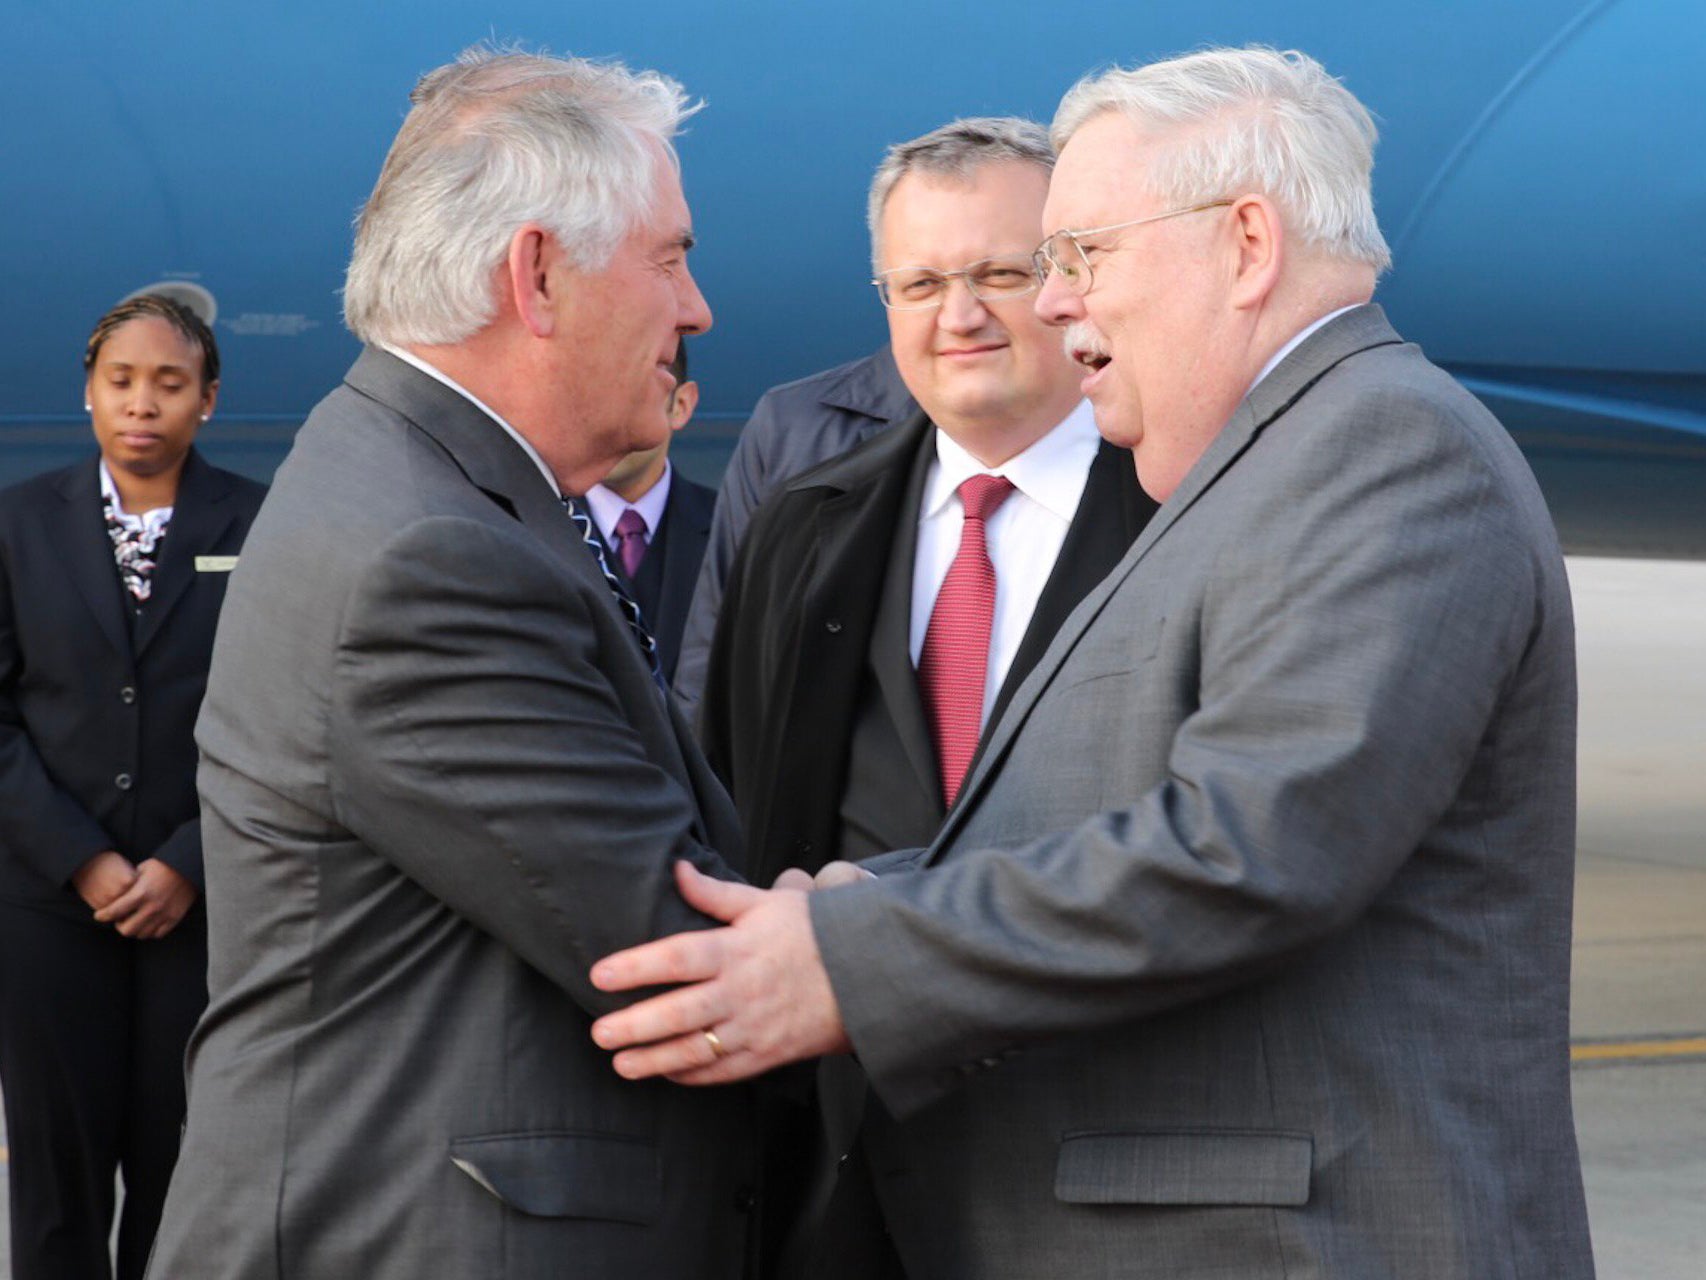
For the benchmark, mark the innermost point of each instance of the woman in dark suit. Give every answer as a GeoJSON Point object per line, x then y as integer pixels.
{"type": "Point", "coordinates": [112, 573]}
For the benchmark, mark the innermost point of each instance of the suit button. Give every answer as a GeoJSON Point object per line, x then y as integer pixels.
{"type": "Point", "coordinates": [123, 782]}
{"type": "Point", "coordinates": [127, 695]}
{"type": "Point", "coordinates": [746, 1199]}
{"type": "Point", "coordinates": [833, 626]}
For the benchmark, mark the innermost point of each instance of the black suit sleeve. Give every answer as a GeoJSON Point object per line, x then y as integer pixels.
{"type": "Point", "coordinates": [40, 822]}
{"type": "Point", "coordinates": [182, 852]}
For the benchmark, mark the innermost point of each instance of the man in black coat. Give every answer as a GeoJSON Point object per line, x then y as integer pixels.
{"type": "Point", "coordinates": [845, 693]}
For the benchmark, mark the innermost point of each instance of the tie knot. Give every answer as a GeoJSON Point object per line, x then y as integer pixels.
{"type": "Point", "coordinates": [980, 495]}
{"type": "Point", "coordinates": [630, 522]}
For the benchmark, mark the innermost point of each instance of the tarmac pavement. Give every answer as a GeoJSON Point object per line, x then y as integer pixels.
{"type": "Point", "coordinates": [1639, 1000]}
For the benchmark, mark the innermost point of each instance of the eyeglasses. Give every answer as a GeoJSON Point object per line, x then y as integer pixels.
{"type": "Point", "coordinates": [1073, 263]}
{"type": "Point", "coordinates": [991, 280]}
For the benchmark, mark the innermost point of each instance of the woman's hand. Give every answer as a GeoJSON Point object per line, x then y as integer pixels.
{"type": "Point", "coordinates": [152, 906]}
{"type": "Point", "coordinates": [103, 878]}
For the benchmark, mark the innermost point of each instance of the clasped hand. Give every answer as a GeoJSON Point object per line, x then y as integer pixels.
{"type": "Point", "coordinates": [143, 901]}
{"type": "Point", "coordinates": [758, 986]}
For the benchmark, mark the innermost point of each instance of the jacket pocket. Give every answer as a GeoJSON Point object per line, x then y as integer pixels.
{"type": "Point", "coordinates": [566, 1175]}
{"type": "Point", "coordinates": [1185, 1166]}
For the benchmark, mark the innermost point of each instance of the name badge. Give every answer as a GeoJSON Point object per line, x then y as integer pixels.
{"type": "Point", "coordinates": [215, 564]}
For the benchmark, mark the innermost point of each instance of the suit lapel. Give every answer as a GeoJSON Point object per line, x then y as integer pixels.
{"type": "Point", "coordinates": [89, 552]}
{"type": "Point", "coordinates": [484, 451]}
{"type": "Point", "coordinates": [200, 515]}
{"type": "Point", "coordinates": [1111, 513]}
{"type": "Point", "coordinates": [1357, 330]}
{"type": "Point", "coordinates": [891, 635]}
{"type": "Point", "coordinates": [685, 529]}
{"type": "Point", "coordinates": [501, 469]}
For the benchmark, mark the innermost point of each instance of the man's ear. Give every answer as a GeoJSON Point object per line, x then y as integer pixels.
{"type": "Point", "coordinates": [682, 402]}
{"type": "Point", "coordinates": [527, 278]}
{"type": "Point", "coordinates": [1260, 244]}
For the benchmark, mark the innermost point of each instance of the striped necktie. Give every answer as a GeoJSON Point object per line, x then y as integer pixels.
{"type": "Point", "coordinates": [630, 607]}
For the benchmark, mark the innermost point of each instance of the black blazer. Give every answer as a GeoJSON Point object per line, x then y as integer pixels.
{"type": "Point", "coordinates": [664, 584]}
{"type": "Point", "coordinates": [97, 747]}
{"type": "Point", "coordinates": [798, 621]}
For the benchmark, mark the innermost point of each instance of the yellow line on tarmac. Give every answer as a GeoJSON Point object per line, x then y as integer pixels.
{"type": "Point", "coordinates": [1639, 1050]}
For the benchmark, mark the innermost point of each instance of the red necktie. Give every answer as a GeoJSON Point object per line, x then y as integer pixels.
{"type": "Point", "coordinates": [954, 663]}
{"type": "Point", "coordinates": [630, 534]}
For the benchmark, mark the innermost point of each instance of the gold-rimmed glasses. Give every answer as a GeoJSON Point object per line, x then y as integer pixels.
{"type": "Point", "coordinates": [990, 280]}
{"type": "Point", "coordinates": [1064, 251]}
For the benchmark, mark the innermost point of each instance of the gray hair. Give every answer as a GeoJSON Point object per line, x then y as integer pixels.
{"type": "Point", "coordinates": [954, 151]}
{"type": "Point", "coordinates": [494, 140]}
{"type": "Point", "coordinates": [1251, 120]}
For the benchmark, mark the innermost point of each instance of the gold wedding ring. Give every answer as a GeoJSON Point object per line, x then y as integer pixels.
{"type": "Point", "coordinates": [716, 1044]}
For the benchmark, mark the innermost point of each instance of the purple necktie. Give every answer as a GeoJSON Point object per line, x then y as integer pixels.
{"type": "Point", "coordinates": [631, 541]}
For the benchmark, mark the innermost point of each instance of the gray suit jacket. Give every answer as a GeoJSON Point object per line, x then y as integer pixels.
{"type": "Point", "coordinates": [438, 782]}
{"type": "Point", "coordinates": [793, 428]}
{"type": "Point", "coordinates": [1246, 950]}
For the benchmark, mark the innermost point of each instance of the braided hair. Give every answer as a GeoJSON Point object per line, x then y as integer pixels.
{"type": "Point", "coordinates": [173, 312]}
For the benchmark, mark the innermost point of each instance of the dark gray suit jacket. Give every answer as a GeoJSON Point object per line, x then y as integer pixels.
{"type": "Point", "coordinates": [438, 782]}
{"type": "Point", "coordinates": [1246, 949]}
{"type": "Point", "coordinates": [793, 428]}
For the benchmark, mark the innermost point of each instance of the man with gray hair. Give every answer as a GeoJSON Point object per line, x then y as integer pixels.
{"type": "Point", "coordinates": [440, 774]}
{"type": "Point", "coordinates": [1245, 951]}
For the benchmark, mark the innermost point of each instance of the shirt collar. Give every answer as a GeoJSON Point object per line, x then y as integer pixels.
{"type": "Point", "coordinates": [1050, 472]}
{"type": "Point", "coordinates": [410, 358]}
{"type": "Point", "coordinates": [153, 520]}
{"type": "Point", "coordinates": [1297, 341]}
{"type": "Point", "coordinates": [607, 505]}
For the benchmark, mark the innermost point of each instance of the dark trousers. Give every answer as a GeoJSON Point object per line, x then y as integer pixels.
{"type": "Point", "coordinates": [829, 1224]}
{"type": "Point", "coordinates": [92, 1035]}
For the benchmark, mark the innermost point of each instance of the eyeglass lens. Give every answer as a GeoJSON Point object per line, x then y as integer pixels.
{"type": "Point", "coordinates": [989, 281]}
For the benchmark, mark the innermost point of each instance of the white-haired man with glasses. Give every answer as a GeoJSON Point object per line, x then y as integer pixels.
{"type": "Point", "coordinates": [885, 605]}
{"type": "Point", "coordinates": [1245, 951]}
{"type": "Point", "coordinates": [440, 771]}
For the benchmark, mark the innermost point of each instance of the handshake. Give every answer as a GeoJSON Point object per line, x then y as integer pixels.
{"type": "Point", "coordinates": [746, 998]}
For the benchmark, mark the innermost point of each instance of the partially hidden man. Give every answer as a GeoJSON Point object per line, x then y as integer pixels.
{"type": "Point", "coordinates": [654, 523]}
{"type": "Point", "coordinates": [440, 771]}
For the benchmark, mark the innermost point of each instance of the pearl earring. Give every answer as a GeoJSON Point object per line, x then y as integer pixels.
{"type": "Point", "coordinates": [206, 416]}
{"type": "Point", "coordinates": [88, 408]}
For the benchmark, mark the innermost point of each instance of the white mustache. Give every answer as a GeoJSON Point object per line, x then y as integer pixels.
{"type": "Point", "coordinates": [1082, 336]}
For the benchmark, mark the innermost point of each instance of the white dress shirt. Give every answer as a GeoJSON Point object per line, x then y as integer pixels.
{"type": "Point", "coordinates": [1023, 535]}
{"type": "Point", "coordinates": [438, 375]}
{"type": "Point", "coordinates": [607, 507]}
